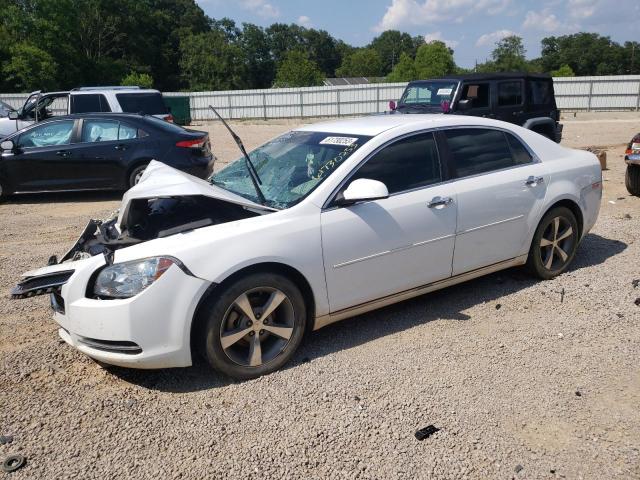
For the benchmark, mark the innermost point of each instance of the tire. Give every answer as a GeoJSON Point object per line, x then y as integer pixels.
{"type": "Point", "coordinates": [554, 244]}
{"type": "Point", "coordinates": [260, 350]}
{"type": "Point", "coordinates": [136, 173]}
{"type": "Point", "coordinates": [632, 180]}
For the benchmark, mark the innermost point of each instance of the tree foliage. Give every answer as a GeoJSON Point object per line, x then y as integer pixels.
{"type": "Point", "coordinates": [434, 59]}
{"type": "Point", "coordinates": [297, 70]}
{"type": "Point", "coordinates": [563, 71]}
{"type": "Point", "coordinates": [142, 80]}
{"type": "Point", "coordinates": [364, 62]}
{"type": "Point", "coordinates": [404, 71]}
{"type": "Point", "coordinates": [509, 55]}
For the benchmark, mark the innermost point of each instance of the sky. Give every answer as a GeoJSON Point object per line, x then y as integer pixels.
{"type": "Point", "coordinates": [470, 27]}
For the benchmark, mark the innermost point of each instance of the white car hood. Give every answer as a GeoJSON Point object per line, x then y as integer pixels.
{"type": "Point", "coordinates": [161, 180]}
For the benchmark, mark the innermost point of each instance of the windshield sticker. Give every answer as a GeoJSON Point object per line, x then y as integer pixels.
{"type": "Point", "coordinates": [343, 141]}
{"type": "Point", "coordinates": [444, 91]}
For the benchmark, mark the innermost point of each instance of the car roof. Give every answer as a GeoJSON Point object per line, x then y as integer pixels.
{"type": "Point", "coordinates": [376, 124]}
{"type": "Point", "coordinates": [106, 115]}
{"type": "Point", "coordinates": [489, 76]}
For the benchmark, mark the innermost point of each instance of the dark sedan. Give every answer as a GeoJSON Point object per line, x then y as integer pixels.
{"type": "Point", "coordinates": [98, 151]}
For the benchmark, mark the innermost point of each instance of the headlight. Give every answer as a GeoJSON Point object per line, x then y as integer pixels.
{"type": "Point", "coordinates": [125, 280]}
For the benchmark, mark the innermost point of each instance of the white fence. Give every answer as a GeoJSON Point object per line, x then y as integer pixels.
{"type": "Point", "coordinates": [575, 93]}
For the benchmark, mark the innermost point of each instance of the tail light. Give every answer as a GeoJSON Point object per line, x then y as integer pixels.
{"type": "Point", "coordinates": [169, 118]}
{"type": "Point", "coordinates": [634, 144]}
{"type": "Point", "coordinates": [195, 143]}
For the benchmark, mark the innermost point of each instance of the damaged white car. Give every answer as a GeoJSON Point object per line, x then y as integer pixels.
{"type": "Point", "coordinates": [322, 223]}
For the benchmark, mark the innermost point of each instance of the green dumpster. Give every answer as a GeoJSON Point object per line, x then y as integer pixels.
{"type": "Point", "coordinates": [180, 109]}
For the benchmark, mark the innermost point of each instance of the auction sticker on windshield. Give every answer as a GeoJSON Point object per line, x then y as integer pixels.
{"type": "Point", "coordinates": [345, 141]}
{"type": "Point", "coordinates": [444, 91]}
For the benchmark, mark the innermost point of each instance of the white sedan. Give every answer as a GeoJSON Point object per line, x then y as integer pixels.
{"type": "Point", "coordinates": [320, 224]}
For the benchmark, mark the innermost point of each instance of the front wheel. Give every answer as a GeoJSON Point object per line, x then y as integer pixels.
{"type": "Point", "coordinates": [632, 179]}
{"type": "Point", "coordinates": [254, 326]}
{"type": "Point", "coordinates": [554, 244]}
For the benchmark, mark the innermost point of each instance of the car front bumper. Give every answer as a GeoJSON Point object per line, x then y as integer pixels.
{"type": "Point", "coordinates": [632, 159]}
{"type": "Point", "coordinates": [150, 330]}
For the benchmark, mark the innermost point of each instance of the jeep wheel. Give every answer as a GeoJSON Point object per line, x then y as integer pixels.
{"type": "Point", "coordinates": [632, 179]}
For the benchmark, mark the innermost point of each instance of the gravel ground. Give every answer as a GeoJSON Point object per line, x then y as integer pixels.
{"type": "Point", "coordinates": [524, 379]}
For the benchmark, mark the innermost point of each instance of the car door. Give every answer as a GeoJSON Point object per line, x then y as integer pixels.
{"type": "Point", "coordinates": [479, 95]}
{"type": "Point", "coordinates": [43, 157]}
{"type": "Point", "coordinates": [378, 248]}
{"type": "Point", "coordinates": [107, 146]}
{"type": "Point", "coordinates": [509, 101]}
{"type": "Point", "coordinates": [500, 188]}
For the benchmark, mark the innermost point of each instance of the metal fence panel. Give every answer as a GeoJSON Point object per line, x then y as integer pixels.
{"type": "Point", "coordinates": [621, 92]}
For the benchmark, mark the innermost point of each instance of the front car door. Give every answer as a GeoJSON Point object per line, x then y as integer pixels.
{"type": "Point", "coordinates": [43, 157]}
{"type": "Point", "coordinates": [382, 247]}
{"type": "Point", "coordinates": [479, 95]}
{"type": "Point", "coordinates": [500, 188]}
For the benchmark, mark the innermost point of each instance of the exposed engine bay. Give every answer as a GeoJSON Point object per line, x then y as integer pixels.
{"type": "Point", "coordinates": [147, 219]}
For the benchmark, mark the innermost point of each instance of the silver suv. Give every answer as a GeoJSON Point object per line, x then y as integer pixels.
{"type": "Point", "coordinates": [40, 106]}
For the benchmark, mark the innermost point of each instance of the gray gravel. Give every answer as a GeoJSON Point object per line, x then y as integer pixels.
{"type": "Point", "coordinates": [500, 384]}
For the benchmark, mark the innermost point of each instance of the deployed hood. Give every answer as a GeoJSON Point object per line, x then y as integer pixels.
{"type": "Point", "coordinates": [162, 181]}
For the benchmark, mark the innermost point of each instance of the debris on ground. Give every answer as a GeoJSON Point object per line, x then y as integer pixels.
{"type": "Point", "coordinates": [426, 432]}
{"type": "Point", "coordinates": [4, 439]}
{"type": "Point", "coordinates": [13, 463]}
{"type": "Point", "coordinates": [578, 393]}
{"type": "Point", "coordinates": [498, 306]}
{"type": "Point", "coordinates": [562, 295]}
{"type": "Point", "coordinates": [635, 283]}
{"type": "Point", "coordinates": [519, 468]}
{"type": "Point", "coordinates": [637, 301]}
{"type": "Point", "coordinates": [627, 216]}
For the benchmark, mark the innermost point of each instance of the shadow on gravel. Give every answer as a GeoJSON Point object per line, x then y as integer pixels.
{"type": "Point", "coordinates": [63, 197]}
{"type": "Point", "coordinates": [447, 304]}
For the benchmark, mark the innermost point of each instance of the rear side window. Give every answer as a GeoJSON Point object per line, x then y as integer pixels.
{"type": "Point", "coordinates": [509, 93]}
{"type": "Point", "coordinates": [149, 103]}
{"type": "Point", "coordinates": [406, 164]}
{"type": "Point", "coordinates": [478, 93]}
{"type": "Point", "coordinates": [478, 150]}
{"type": "Point", "coordinates": [106, 131]}
{"type": "Point", "coordinates": [540, 92]}
{"type": "Point", "coordinates": [89, 103]}
{"type": "Point", "coordinates": [519, 152]}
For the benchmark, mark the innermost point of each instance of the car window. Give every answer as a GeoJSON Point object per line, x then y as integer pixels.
{"type": "Point", "coordinates": [478, 93]}
{"type": "Point", "coordinates": [149, 103]}
{"type": "Point", "coordinates": [99, 131]}
{"type": "Point", "coordinates": [540, 92]}
{"type": "Point", "coordinates": [519, 152]}
{"type": "Point", "coordinates": [89, 103]}
{"type": "Point", "coordinates": [408, 163]}
{"type": "Point", "coordinates": [509, 93]}
{"type": "Point", "coordinates": [126, 132]}
{"type": "Point", "coordinates": [46, 135]}
{"type": "Point", "coordinates": [478, 150]}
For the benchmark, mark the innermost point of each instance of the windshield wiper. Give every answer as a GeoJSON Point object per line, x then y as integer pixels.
{"type": "Point", "coordinates": [255, 179]}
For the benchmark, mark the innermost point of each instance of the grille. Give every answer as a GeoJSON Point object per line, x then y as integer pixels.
{"type": "Point", "coordinates": [41, 284]}
{"type": "Point", "coordinates": [113, 346]}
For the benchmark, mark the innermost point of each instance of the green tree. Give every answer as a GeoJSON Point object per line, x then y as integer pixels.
{"type": "Point", "coordinates": [434, 59]}
{"type": "Point", "coordinates": [390, 45]}
{"type": "Point", "coordinates": [322, 50]}
{"type": "Point", "coordinates": [261, 69]}
{"type": "Point", "coordinates": [509, 55]}
{"type": "Point", "coordinates": [585, 53]}
{"type": "Point", "coordinates": [297, 70]}
{"type": "Point", "coordinates": [30, 68]}
{"type": "Point", "coordinates": [404, 71]}
{"type": "Point", "coordinates": [563, 71]}
{"type": "Point", "coordinates": [143, 80]}
{"type": "Point", "coordinates": [364, 62]}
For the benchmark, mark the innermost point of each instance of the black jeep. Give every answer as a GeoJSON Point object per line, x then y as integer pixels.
{"type": "Point", "coordinates": [521, 98]}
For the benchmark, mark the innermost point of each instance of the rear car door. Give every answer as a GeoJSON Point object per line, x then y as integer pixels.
{"type": "Point", "coordinates": [381, 247]}
{"type": "Point", "coordinates": [107, 148]}
{"type": "Point", "coordinates": [43, 159]}
{"type": "Point", "coordinates": [500, 187]}
{"type": "Point", "coordinates": [509, 101]}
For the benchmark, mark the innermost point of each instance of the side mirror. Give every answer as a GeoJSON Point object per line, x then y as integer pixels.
{"type": "Point", "coordinates": [7, 146]}
{"type": "Point", "coordinates": [363, 189]}
{"type": "Point", "coordinates": [392, 105]}
{"type": "Point", "coordinates": [464, 104]}
{"type": "Point", "coordinates": [13, 115]}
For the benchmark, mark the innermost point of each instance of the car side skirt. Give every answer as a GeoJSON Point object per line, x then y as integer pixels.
{"type": "Point", "coordinates": [325, 320]}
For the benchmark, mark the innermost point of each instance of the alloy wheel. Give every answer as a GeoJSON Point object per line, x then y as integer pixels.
{"type": "Point", "coordinates": [137, 177]}
{"type": "Point", "coordinates": [557, 243]}
{"type": "Point", "coordinates": [257, 326]}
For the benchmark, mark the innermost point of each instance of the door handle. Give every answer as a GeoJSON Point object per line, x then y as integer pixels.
{"type": "Point", "coordinates": [439, 202]}
{"type": "Point", "coordinates": [121, 147]}
{"type": "Point", "coordinates": [63, 153]}
{"type": "Point", "coordinates": [533, 181]}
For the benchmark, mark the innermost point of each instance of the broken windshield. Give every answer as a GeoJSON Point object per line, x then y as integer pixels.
{"type": "Point", "coordinates": [290, 166]}
{"type": "Point", "coordinates": [429, 93]}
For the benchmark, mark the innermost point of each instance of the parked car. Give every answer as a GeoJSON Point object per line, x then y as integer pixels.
{"type": "Point", "coordinates": [97, 151]}
{"type": "Point", "coordinates": [632, 158]}
{"type": "Point", "coordinates": [320, 224]}
{"type": "Point", "coordinates": [86, 100]}
{"type": "Point", "coordinates": [521, 98]}
{"type": "Point", "coordinates": [5, 108]}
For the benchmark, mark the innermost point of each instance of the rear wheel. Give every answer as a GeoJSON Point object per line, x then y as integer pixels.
{"type": "Point", "coordinates": [554, 244]}
{"type": "Point", "coordinates": [136, 175]}
{"type": "Point", "coordinates": [254, 326]}
{"type": "Point", "coordinates": [632, 180]}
